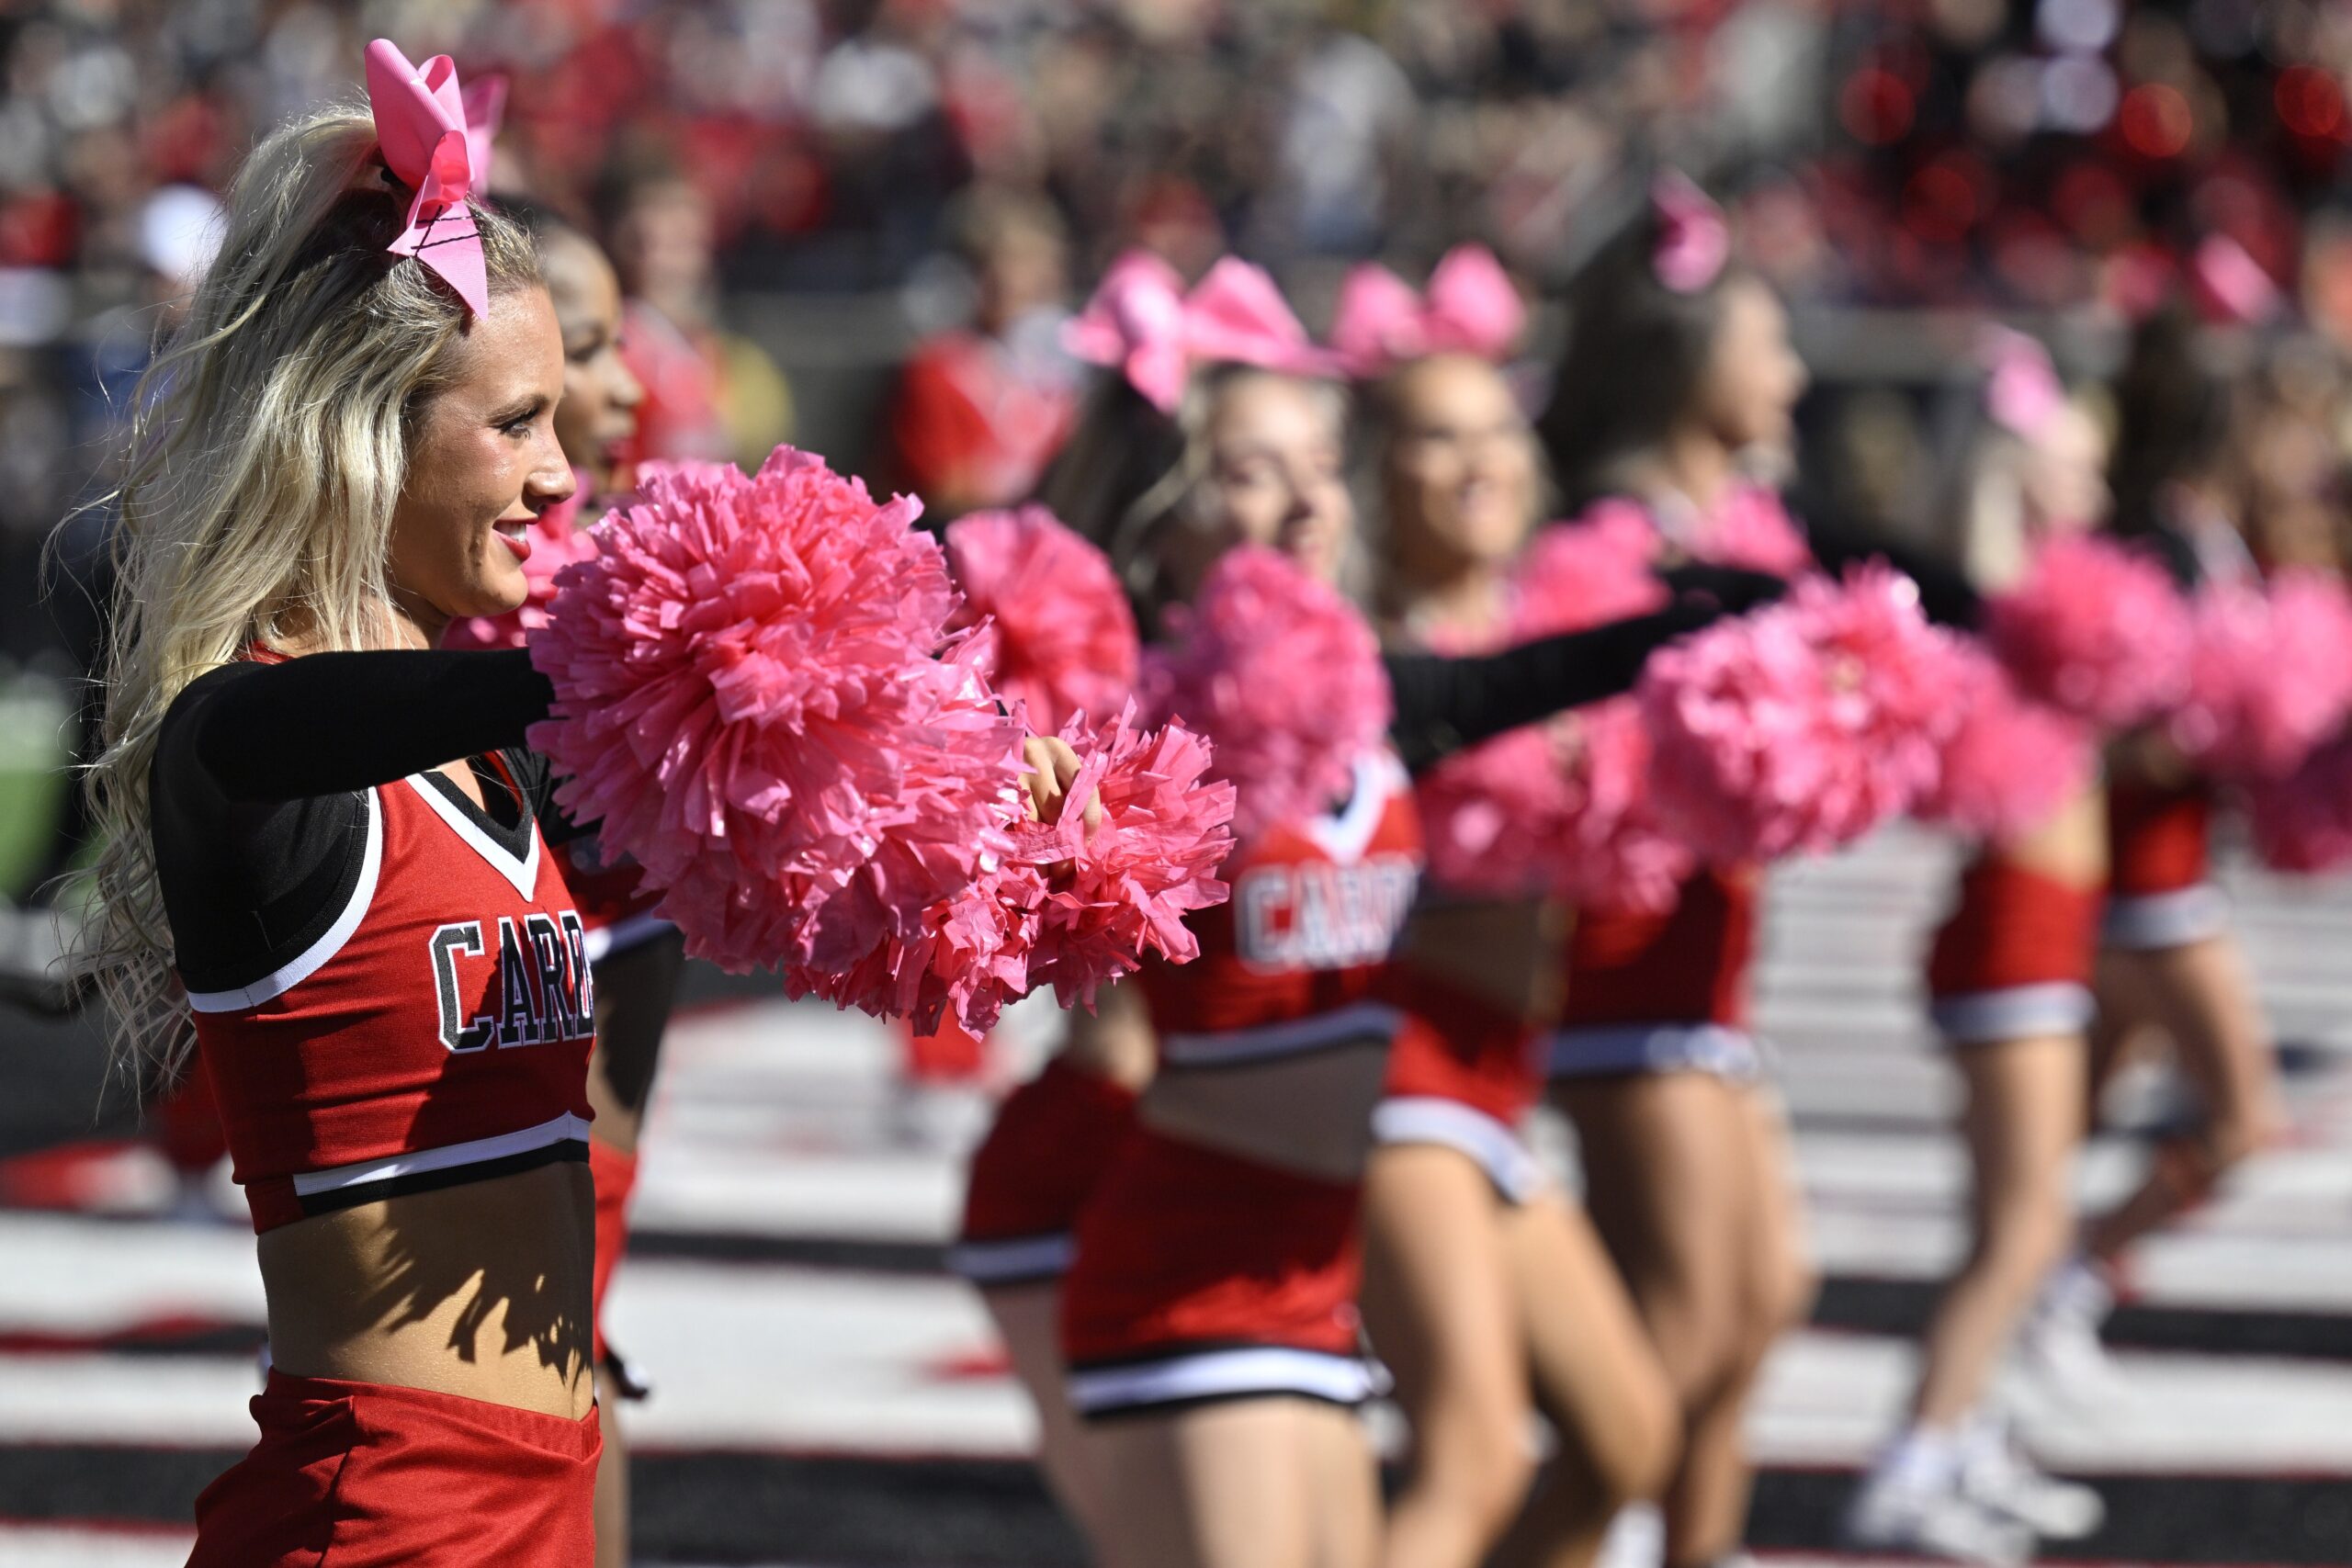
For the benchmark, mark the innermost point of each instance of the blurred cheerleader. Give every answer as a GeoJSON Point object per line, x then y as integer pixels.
{"type": "Point", "coordinates": [1207, 1316]}
{"type": "Point", "coordinates": [2008, 980]}
{"type": "Point", "coordinates": [1486, 1293]}
{"type": "Point", "coordinates": [1679, 371]}
{"type": "Point", "coordinates": [2167, 962]}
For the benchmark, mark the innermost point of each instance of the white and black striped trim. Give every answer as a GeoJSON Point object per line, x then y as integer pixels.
{"type": "Point", "coordinates": [1013, 1261]}
{"type": "Point", "coordinates": [1518, 1175]}
{"type": "Point", "coordinates": [1207, 1376]}
{"type": "Point", "coordinates": [284, 978]}
{"type": "Point", "coordinates": [1609, 1049]}
{"type": "Point", "coordinates": [2153, 921]}
{"type": "Point", "coordinates": [522, 873]}
{"type": "Point", "coordinates": [1359, 1023]}
{"type": "Point", "coordinates": [2013, 1012]}
{"type": "Point", "coordinates": [563, 1137]}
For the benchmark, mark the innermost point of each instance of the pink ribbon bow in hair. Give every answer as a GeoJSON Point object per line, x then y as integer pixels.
{"type": "Point", "coordinates": [1142, 323]}
{"type": "Point", "coordinates": [1471, 308]}
{"type": "Point", "coordinates": [2023, 391]}
{"type": "Point", "coordinates": [421, 129]}
{"type": "Point", "coordinates": [1693, 241]}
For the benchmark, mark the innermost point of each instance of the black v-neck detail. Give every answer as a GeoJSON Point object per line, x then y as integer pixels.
{"type": "Point", "coordinates": [514, 837]}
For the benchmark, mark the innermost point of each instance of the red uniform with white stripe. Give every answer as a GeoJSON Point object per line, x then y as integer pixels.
{"type": "Point", "coordinates": [2160, 891]}
{"type": "Point", "coordinates": [2013, 960]}
{"type": "Point", "coordinates": [437, 1032]}
{"type": "Point", "coordinates": [1201, 1274]}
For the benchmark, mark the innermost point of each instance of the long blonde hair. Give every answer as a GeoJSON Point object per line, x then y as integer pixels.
{"type": "Point", "coordinates": [267, 445]}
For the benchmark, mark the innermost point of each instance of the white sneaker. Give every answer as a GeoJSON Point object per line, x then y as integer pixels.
{"type": "Point", "coordinates": [2059, 1337]}
{"type": "Point", "coordinates": [1894, 1513]}
{"type": "Point", "coordinates": [1997, 1475]}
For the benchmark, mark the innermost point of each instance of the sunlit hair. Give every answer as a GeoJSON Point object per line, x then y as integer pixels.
{"type": "Point", "coordinates": [1637, 355]}
{"type": "Point", "coordinates": [268, 442]}
{"type": "Point", "coordinates": [1130, 477]}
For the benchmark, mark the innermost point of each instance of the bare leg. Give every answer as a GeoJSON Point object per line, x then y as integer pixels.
{"type": "Point", "coordinates": [2200, 996]}
{"type": "Point", "coordinates": [1270, 1482]}
{"type": "Point", "coordinates": [1596, 1378]}
{"type": "Point", "coordinates": [1707, 1506]}
{"type": "Point", "coordinates": [1668, 1164]}
{"type": "Point", "coordinates": [1438, 1300]}
{"type": "Point", "coordinates": [2023, 1126]}
{"type": "Point", "coordinates": [1026, 1317]}
{"type": "Point", "coordinates": [612, 1477]}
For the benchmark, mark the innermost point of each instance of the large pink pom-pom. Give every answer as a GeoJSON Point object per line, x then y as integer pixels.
{"type": "Point", "coordinates": [1285, 677]}
{"type": "Point", "coordinates": [749, 701]}
{"type": "Point", "coordinates": [2302, 821]}
{"type": "Point", "coordinates": [1802, 727]}
{"type": "Point", "coordinates": [1126, 890]}
{"type": "Point", "coordinates": [1061, 907]}
{"type": "Point", "coordinates": [2270, 675]}
{"type": "Point", "coordinates": [1057, 631]}
{"type": "Point", "coordinates": [1577, 575]}
{"type": "Point", "coordinates": [2096, 629]}
{"type": "Point", "coordinates": [2010, 761]}
{"type": "Point", "coordinates": [556, 540]}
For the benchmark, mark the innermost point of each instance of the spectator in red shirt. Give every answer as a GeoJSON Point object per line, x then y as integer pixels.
{"type": "Point", "coordinates": [980, 410]}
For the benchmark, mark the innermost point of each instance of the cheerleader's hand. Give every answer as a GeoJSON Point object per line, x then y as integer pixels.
{"type": "Point", "coordinates": [1052, 768]}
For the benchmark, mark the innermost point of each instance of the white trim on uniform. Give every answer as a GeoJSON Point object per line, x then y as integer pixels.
{"type": "Point", "coordinates": [1489, 1144]}
{"type": "Point", "coordinates": [1714, 1048]}
{"type": "Point", "coordinates": [1241, 1372]}
{"type": "Point", "coordinates": [2013, 1012]}
{"type": "Point", "coordinates": [524, 874]}
{"type": "Point", "coordinates": [1013, 1261]}
{"type": "Point", "coordinates": [285, 978]}
{"type": "Point", "coordinates": [1371, 1022]}
{"type": "Point", "coordinates": [2151, 922]}
{"type": "Point", "coordinates": [629, 930]}
{"type": "Point", "coordinates": [1345, 837]}
{"type": "Point", "coordinates": [564, 1129]}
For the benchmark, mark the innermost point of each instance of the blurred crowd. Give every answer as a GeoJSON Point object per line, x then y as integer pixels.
{"type": "Point", "coordinates": [974, 164]}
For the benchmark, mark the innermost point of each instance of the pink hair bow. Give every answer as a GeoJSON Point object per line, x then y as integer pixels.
{"type": "Point", "coordinates": [1141, 323]}
{"type": "Point", "coordinates": [2230, 284]}
{"type": "Point", "coordinates": [1471, 308]}
{"type": "Point", "coordinates": [1693, 241]}
{"type": "Point", "coordinates": [420, 128]}
{"type": "Point", "coordinates": [2023, 391]}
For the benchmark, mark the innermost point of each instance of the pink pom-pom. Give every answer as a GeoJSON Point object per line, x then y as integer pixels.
{"type": "Point", "coordinates": [1062, 908]}
{"type": "Point", "coordinates": [1578, 575]}
{"type": "Point", "coordinates": [556, 540]}
{"type": "Point", "coordinates": [1804, 726]}
{"type": "Point", "coordinates": [2097, 630]}
{"type": "Point", "coordinates": [2270, 675]}
{"type": "Point", "coordinates": [1058, 631]}
{"type": "Point", "coordinates": [2302, 821]}
{"type": "Point", "coordinates": [1748, 528]}
{"type": "Point", "coordinates": [2010, 761]}
{"type": "Point", "coordinates": [1165, 828]}
{"type": "Point", "coordinates": [748, 698]}
{"type": "Point", "coordinates": [1285, 677]}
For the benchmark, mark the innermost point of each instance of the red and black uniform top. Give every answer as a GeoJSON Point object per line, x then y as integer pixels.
{"type": "Point", "coordinates": [391, 984]}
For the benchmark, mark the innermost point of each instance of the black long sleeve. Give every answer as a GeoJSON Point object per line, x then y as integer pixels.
{"type": "Point", "coordinates": [257, 804]}
{"type": "Point", "coordinates": [333, 722]}
{"type": "Point", "coordinates": [1445, 704]}
{"type": "Point", "coordinates": [1946, 595]}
